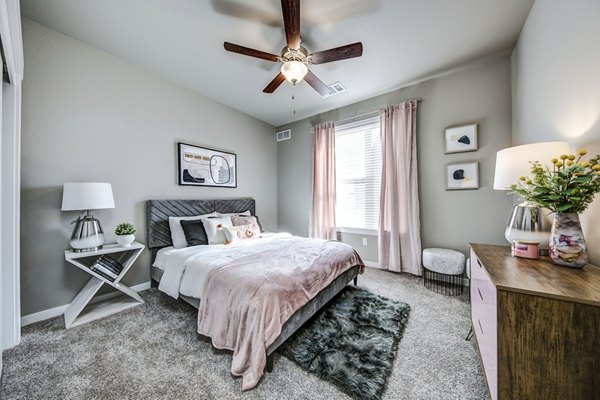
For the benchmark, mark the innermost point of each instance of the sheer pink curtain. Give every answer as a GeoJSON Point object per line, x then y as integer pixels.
{"type": "Point", "coordinates": [322, 198]}
{"type": "Point", "coordinates": [399, 226]}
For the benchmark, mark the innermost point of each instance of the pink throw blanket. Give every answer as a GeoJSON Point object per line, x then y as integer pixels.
{"type": "Point", "coordinates": [245, 302]}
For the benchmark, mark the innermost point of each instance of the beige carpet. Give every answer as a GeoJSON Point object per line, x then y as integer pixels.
{"type": "Point", "coordinates": [152, 352]}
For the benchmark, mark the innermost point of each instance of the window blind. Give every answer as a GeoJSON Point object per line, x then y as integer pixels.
{"type": "Point", "coordinates": [358, 174]}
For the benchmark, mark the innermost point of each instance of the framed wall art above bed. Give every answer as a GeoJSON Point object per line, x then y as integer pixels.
{"type": "Point", "coordinates": [201, 166]}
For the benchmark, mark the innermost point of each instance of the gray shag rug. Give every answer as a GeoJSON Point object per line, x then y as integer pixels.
{"type": "Point", "coordinates": [352, 342]}
{"type": "Point", "coordinates": [153, 352]}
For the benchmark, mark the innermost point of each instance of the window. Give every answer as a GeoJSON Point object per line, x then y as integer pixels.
{"type": "Point", "coordinates": [358, 174]}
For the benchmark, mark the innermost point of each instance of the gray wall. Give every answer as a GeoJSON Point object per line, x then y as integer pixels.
{"type": "Point", "coordinates": [449, 219]}
{"type": "Point", "coordinates": [556, 84]}
{"type": "Point", "coordinates": [89, 116]}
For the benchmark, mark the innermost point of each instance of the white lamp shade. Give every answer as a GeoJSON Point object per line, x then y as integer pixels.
{"type": "Point", "coordinates": [513, 162]}
{"type": "Point", "coordinates": [87, 196]}
{"type": "Point", "coordinates": [294, 71]}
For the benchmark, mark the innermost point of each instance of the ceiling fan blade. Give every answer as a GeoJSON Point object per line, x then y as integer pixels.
{"type": "Point", "coordinates": [274, 83]}
{"type": "Point", "coordinates": [291, 22]}
{"type": "Point", "coordinates": [339, 53]}
{"type": "Point", "coordinates": [316, 84]}
{"type": "Point", "coordinates": [235, 48]}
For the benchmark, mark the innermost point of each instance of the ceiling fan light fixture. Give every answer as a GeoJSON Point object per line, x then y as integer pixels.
{"type": "Point", "coordinates": [294, 71]}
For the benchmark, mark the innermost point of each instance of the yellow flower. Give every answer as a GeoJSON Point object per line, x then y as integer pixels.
{"type": "Point", "coordinates": [571, 157]}
{"type": "Point", "coordinates": [598, 172]}
{"type": "Point", "coordinates": [585, 164]}
{"type": "Point", "coordinates": [596, 167]}
{"type": "Point", "coordinates": [554, 160]}
{"type": "Point", "coordinates": [582, 152]}
{"type": "Point", "coordinates": [569, 163]}
{"type": "Point", "coordinates": [529, 181]}
{"type": "Point", "coordinates": [559, 164]}
{"type": "Point", "coordinates": [563, 156]}
{"type": "Point", "coordinates": [522, 178]}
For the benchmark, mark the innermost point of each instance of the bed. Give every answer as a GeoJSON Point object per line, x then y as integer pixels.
{"type": "Point", "coordinates": [159, 243]}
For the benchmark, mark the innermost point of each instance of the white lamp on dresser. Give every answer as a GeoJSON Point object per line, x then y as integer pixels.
{"type": "Point", "coordinates": [527, 222]}
{"type": "Point", "coordinates": [85, 197]}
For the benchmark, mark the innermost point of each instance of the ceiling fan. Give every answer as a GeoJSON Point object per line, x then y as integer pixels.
{"type": "Point", "coordinates": [295, 58]}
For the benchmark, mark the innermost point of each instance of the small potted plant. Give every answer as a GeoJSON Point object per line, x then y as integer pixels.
{"type": "Point", "coordinates": [125, 234]}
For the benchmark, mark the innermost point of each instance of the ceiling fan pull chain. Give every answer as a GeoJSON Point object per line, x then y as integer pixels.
{"type": "Point", "coordinates": [293, 98]}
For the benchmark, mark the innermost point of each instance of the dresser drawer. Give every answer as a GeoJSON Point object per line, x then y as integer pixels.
{"type": "Point", "coordinates": [484, 319]}
{"type": "Point", "coordinates": [477, 269]}
{"type": "Point", "coordinates": [483, 306]}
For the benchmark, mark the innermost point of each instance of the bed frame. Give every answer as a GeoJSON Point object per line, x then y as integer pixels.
{"type": "Point", "coordinates": [159, 236]}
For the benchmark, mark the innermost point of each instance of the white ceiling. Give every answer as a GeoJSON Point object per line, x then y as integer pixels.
{"type": "Point", "coordinates": [182, 41]}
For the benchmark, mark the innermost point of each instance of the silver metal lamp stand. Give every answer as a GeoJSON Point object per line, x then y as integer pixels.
{"type": "Point", "coordinates": [529, 223]}
{"type": "Point", "coordinates": [88, 234]}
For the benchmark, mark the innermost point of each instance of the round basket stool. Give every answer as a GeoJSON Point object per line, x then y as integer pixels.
{"type": "Point", "coordinates": [443, 270]}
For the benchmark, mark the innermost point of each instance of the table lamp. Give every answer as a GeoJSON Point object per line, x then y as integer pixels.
{"type": "Point", "coordinates": [527, 222]}
{"type": "Point", "coordinates": [85, 197]}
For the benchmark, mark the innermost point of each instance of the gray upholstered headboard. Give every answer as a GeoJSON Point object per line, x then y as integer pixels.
{"type": "Point", "coordinates": [159, 211]}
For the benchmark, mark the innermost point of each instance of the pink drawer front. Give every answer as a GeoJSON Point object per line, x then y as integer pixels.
{"type": "Point", "coordinates": [485, 324]}
{"type": "Point", "coordinates": [477, 269]}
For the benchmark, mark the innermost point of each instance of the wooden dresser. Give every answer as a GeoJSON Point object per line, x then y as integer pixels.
{"type": "Point", "coordinates": [537, 326]}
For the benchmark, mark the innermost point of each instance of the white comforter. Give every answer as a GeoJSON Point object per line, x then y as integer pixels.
{"type": "Point", "coordinates": [186, 269]}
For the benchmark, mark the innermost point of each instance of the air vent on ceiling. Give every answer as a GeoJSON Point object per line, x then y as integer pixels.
{"type": "Point", "coordinates": [284, 135]}
{"type": "Point", "coordinates": [335, 88]}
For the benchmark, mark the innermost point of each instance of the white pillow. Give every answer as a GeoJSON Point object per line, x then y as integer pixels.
{"type": "Point", "coordinates": [213, 226]}
{"type": "Point", "coordinates": [246, 213]}
{"type": "Point", "coordinates": [242, 232]}
{"type": "Point", "coordinates": [177, 234]}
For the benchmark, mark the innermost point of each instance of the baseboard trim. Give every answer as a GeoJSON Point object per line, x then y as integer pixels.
{"type": "Point", "coordinates": [56, 311]}
{"type": "Point", "coordinates": [42, 315]}
{"type": "Point", "coordinates": [371, 264]}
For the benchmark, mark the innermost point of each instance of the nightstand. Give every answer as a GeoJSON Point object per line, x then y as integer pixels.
{"type": "Point", "coordinates": [81, 311]}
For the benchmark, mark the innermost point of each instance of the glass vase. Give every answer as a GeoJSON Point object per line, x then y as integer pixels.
{"type": "Point", "coordinates": [567, 244]}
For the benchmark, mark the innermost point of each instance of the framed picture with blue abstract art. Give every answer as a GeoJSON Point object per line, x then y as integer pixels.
{"type": "Point", "coordinates": [461, 138]}
{"type": "Point", "coordinates": [461, 176]}
{"type": "Point", "coordinates": [200, 166]}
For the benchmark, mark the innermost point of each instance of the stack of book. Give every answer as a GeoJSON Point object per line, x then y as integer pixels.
{"type": "Point", "coordinates": [107, 267]}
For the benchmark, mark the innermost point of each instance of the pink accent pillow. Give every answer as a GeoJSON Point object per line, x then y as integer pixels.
{"type": "Point", "coordinates": [238, 220]}
{"type": "Point", "coordinates": [241, 232]}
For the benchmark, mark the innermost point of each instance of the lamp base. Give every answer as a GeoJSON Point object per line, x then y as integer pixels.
{"type": "Point", "coordinates": [541, 252]}
{"type": "Point", "coordinates": [87, 235]}
{"type": "Point", "coordinates": [76, 250]}
{"type": "Point", "coordinates": [529, 223]}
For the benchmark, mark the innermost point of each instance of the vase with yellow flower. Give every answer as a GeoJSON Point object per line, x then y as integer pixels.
{"type": "Point", "coordinates": [567, 189]}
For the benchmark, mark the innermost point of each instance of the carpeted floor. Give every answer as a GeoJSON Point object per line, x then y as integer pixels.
{"type": "Point", "coordinates": [152, 352]}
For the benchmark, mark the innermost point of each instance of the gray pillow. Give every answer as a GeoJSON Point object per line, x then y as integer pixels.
{"type": "Point", "coordinates": [195, 234]}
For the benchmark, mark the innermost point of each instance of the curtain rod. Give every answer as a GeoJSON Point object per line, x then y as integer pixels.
{"type": "Point", "coordinates": [417, 99]}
